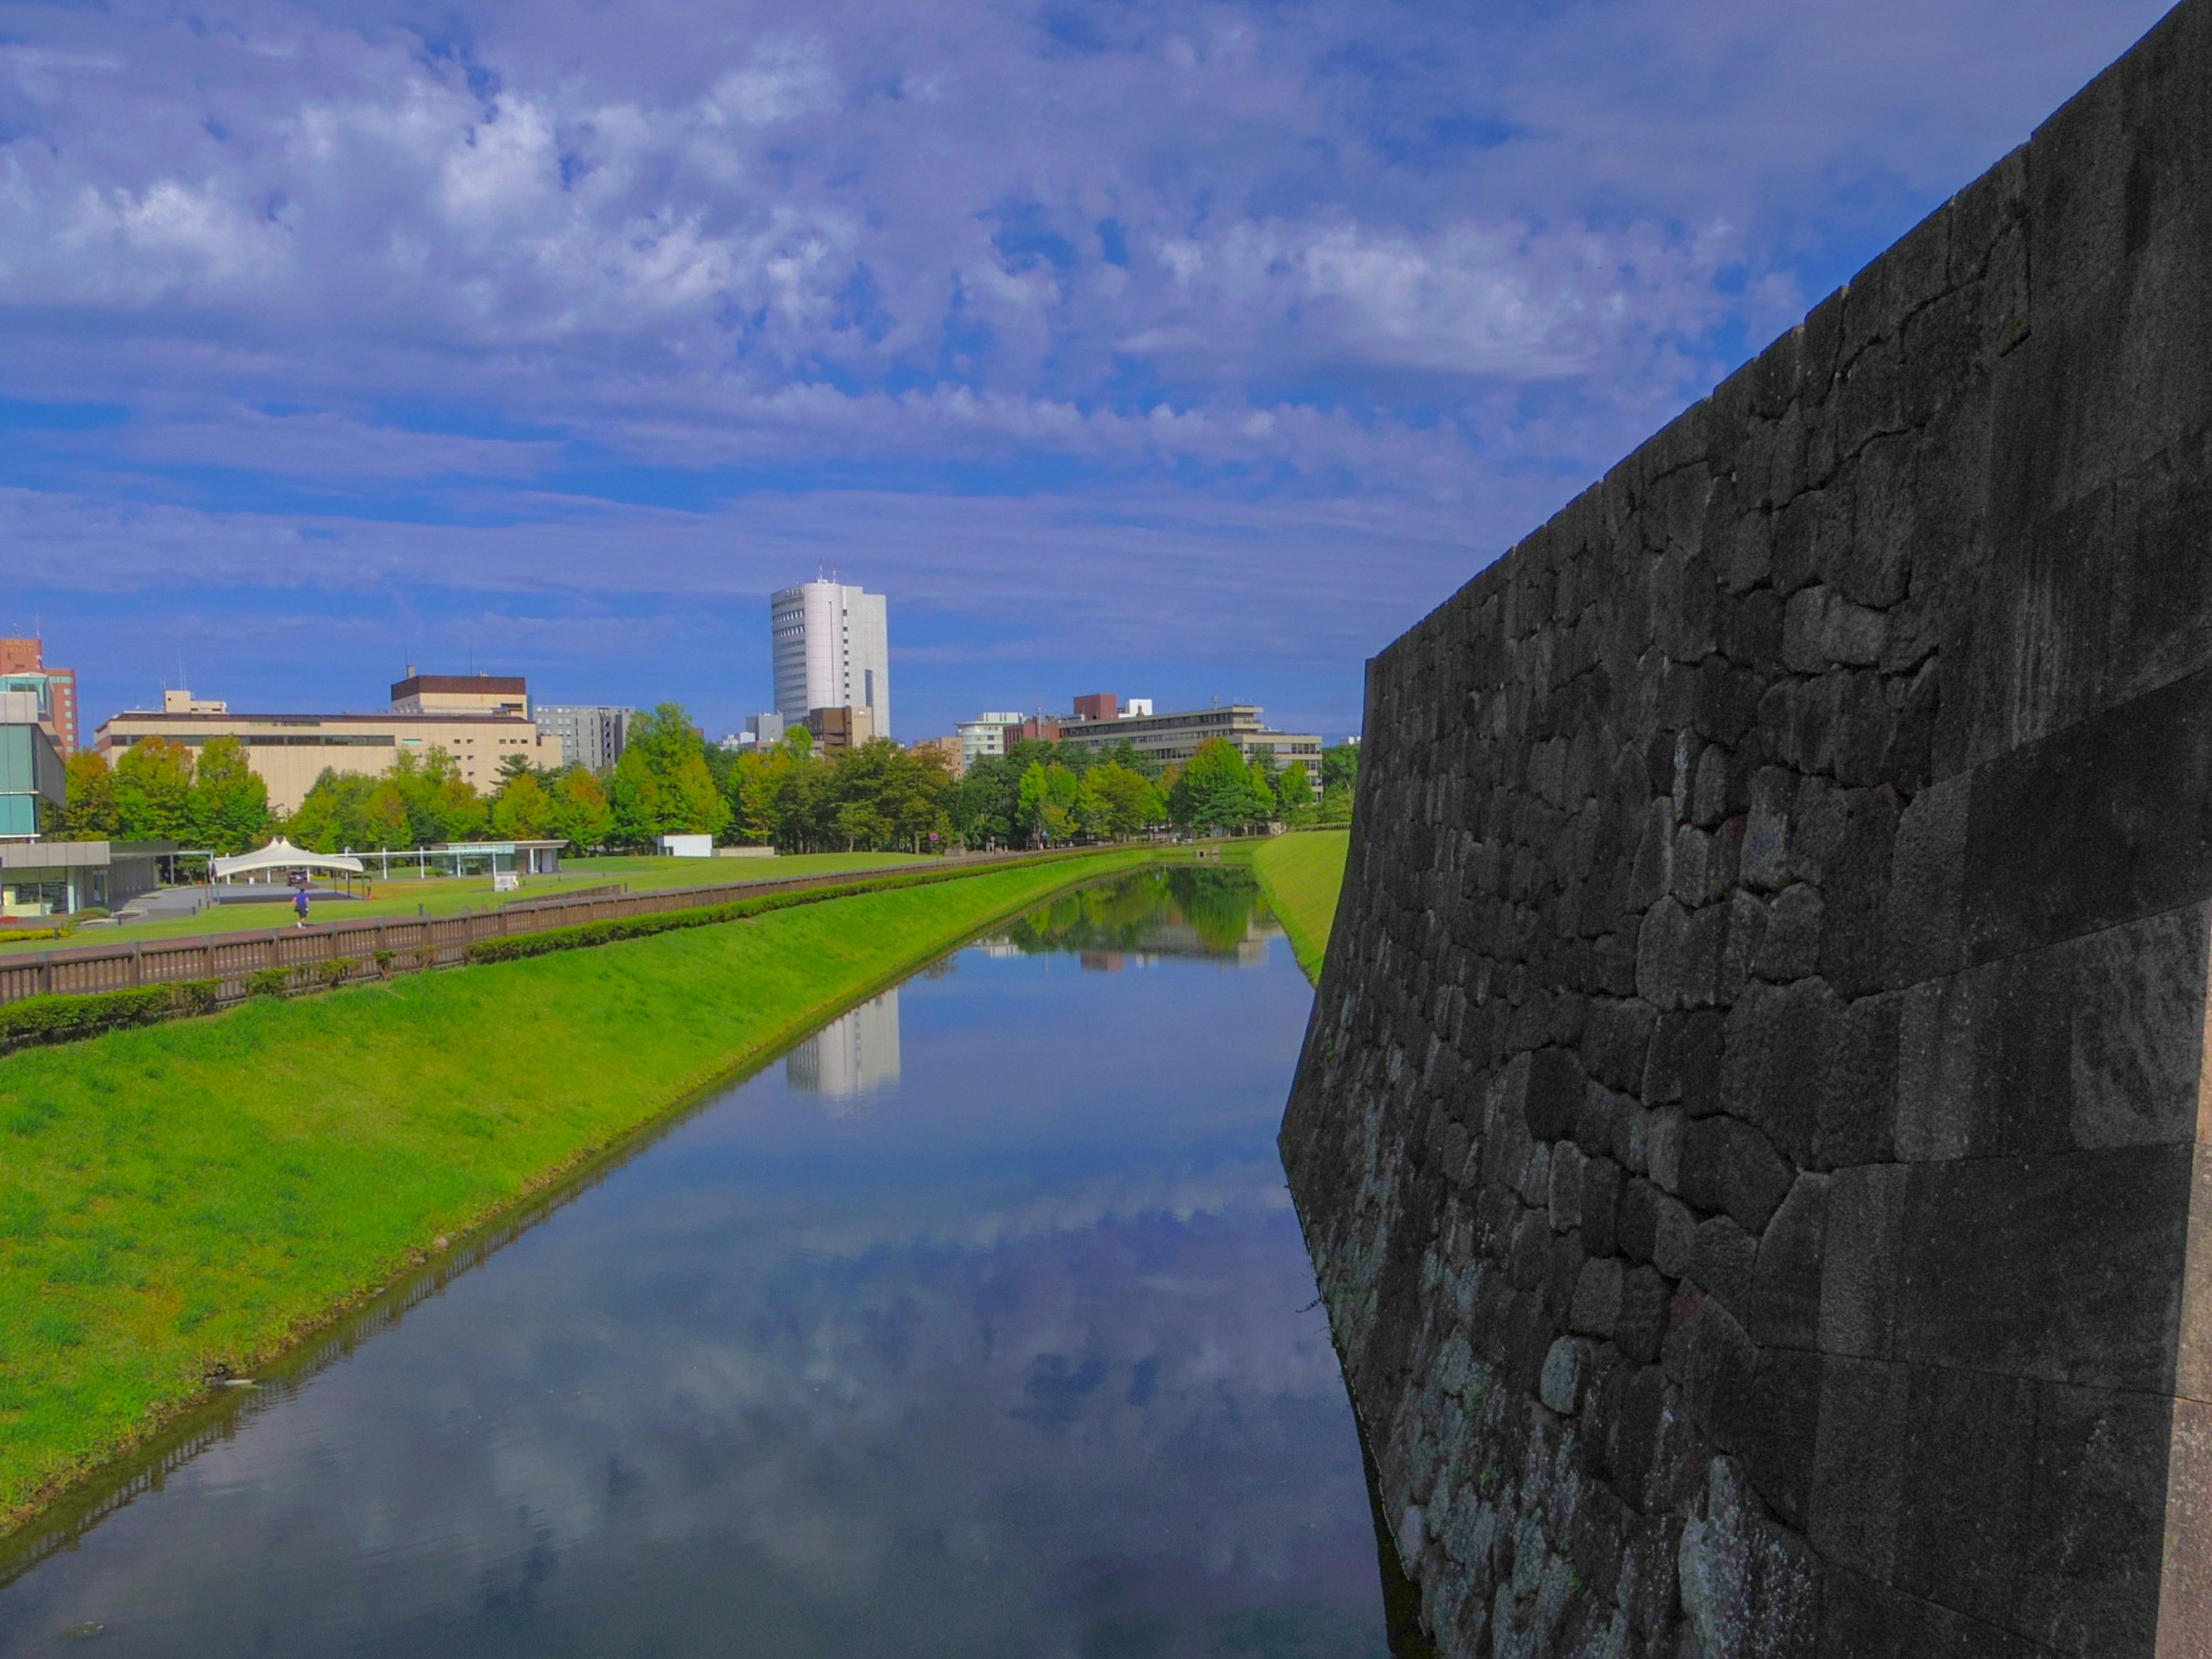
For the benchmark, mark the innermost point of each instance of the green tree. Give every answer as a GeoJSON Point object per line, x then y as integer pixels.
{"type": "Point", "coordinates": [1341, 765]}
{"type": "Point", "coordinates": [1336, 804]}
{"type": "Point", "coordinates": [662, 784]}
{"type": "Point", "coordinates": [229, 809]}
{"type": "Point", "coordinates": [153, 791]}
{"type": "Point", "coordinates": [580, 809]}
{"type": "Point", "coordinates": [1215, 792]}
{"type": "Point", "coordinates": [1045, 804]}
{"type": "Point", "coordinates": [522, 810]}
{"type": "Point", "coordinates": [333, 814]}
{"type": "Point", "coordinates": [1294, 789]}
{"type": "Point", "coordinates": [90, 812]}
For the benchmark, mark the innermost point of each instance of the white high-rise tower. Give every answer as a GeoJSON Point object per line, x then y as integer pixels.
{"type": "Point", "coordinates": [831, 646]}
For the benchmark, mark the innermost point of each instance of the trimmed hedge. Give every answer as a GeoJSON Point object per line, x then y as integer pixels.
{"type": "Point", "coordinates": [585, 934]}
{"type": "Point", "coordinates": [61, 1017]}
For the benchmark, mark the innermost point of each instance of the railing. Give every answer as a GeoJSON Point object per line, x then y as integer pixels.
{"type": "Point", "coordinates": [375, 946]}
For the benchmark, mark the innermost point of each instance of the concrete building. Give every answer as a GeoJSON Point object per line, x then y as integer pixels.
{"type": "Point", "coordinates": [955, 761]}
{"type": "Point", "coordinates": [289, 751]}
{"type": "Point", "coordinates": [1173, 738]}
{"type": "Point", "coordinates": [460, 694]}
{"type": "Point", "coordinates": [590, 735]}
{"type": "Point", "coordinates": [984, 737]}
{"type": "Point", "coordinates": [61, 877]}
{"type": "Point", "coordinates": [32, 775]}
{"type": "Point", "coordinates": [22, 668]}
{"type": "Point", "coordinates": [831, 645]}
{"type": "Point", "coordinates": [834, 729]}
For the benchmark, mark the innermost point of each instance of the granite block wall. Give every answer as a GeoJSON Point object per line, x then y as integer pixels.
{"type": "Point", "coordinates": [1751, 1133]}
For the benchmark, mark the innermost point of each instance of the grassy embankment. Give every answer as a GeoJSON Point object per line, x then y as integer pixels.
{"type": "Point", "coordinates": [1302, 873]}
{"type": "Point", "coordinates": [204, 1194]}
{"type": "Point", "coordinates": [448, 896]}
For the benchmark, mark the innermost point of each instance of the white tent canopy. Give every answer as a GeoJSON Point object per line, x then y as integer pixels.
{"type": "Point", "coordinates": [280, 854]}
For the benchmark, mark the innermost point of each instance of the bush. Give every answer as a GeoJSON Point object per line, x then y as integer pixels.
{"type": "Point", "coordinates": [268, 981]}
{"type": "Point", "coordinates": [59, 1018]}
{"type": "Point", "coordinates": [337, 971]}
{"type": "Point", "coordinates": [383, 961]}
{"type": "Point", "coordinates": [588, 933]}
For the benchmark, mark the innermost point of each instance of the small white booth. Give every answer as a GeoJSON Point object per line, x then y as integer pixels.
{"type": "Point", "coordinates": [267, 874]}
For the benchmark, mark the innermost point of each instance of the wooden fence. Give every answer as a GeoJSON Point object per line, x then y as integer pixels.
{"type": "Point", "coordinates": [374, 947]}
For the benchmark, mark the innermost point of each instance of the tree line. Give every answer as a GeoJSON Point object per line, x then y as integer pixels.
{"type": "Point", "coordinates": [876, 797]}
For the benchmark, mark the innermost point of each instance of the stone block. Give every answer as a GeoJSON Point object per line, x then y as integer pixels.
{"type": "Point", "coordinates": [1724, 1261]}
{"type": "Point", "coordinates": [1601, 1205]}
{"type": "Point", "coordinates": [1749, 1589]}
{"type": "Point", "coordinates": [2102, 824]}
{"type": "Point", "coordinates": [2066, 1268]}
{"type": "Point", "coordinates": [1937, 1091]}
{"type": "Point", "coordinates": [1785, 1303]}
{"type": "Point", "coordinates": [1858, 1468]}
{"type": "Point", "coordinates": [2092, 1549]}
{"type": "Point", "coordinates": [2136, 1020]}
{"type": "Point", "coordinates": [1641, 1323]}
{"type": "Point", "coordinates": [1863, 1241]}
{"type": "Point", "coordinates": [1728, 1166]}
{"type": "Point", "coordinates": [1854, 892]}
{"type": "Point", "coordinates": [1926, 876]}
{"type": "Point", "coordinates": [1790, 949]}
{"type": "Point", "coordinates": [1863, 1618]}
{"type": "Point", "coordinates": [1778, 1044]}
{"type": "Point", "coordinates": [1553, 1093]}
{"type": "Point", "coordinates": [1596, 1307]}
{"type": "Point", "coordinates": [1857, 1112]}
{"type": "Point", "coordinates": [1965, 1503]}
{"type": "Point", "coordinates": [1566, 1372]}
{"type": "Point", "coordinates": [1684, 1060]}
{"type": "Point", "coordinates": [1662, 1149]}
{"type": "Point", "coordinates": [1784, 1432]}
{"type": "Point", "coordinates": [1565, 1196]}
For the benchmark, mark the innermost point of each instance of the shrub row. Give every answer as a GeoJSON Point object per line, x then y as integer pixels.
{"type": "Point", "coordinates": [588, 933]}
{"type": "Point", "coordinates": [62, 1018]}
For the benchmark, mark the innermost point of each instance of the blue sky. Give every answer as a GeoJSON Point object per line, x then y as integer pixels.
{"type": "Point", "coordinates": [1185, 350]}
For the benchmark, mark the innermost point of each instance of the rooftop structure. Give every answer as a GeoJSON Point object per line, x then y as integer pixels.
{"type": "Point", "coordinates": [460, 694]}
{"type": "Point", "coordinates": [830, 644]}
{"type": "Point", "coordinates": [23, 668]}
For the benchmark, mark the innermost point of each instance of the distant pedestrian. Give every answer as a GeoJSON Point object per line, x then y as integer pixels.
{"type": "Point", "coordinates": [299, 907]}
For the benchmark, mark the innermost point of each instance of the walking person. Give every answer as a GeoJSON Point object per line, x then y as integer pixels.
{"type": "Point", "coordinates": [299, 907]}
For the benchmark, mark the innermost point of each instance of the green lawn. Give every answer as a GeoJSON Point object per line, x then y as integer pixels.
{"type": "Point", "coordinates": [444, 896]}
{"type": "Point", "coordinates": [204, 1193]}
{"type": "Point", "coordinates": [1302, 873]}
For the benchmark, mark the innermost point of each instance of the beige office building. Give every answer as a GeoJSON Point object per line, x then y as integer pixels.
{"type": "Point", "coordinates": [289, 751]}
{"type": "Point", "coordinates": [1172, 738]}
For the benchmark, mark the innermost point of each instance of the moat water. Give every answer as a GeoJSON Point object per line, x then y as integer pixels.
{"type": "Point", "coordinates": [978, 1326]}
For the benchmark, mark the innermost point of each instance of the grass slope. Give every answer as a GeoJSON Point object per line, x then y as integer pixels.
{"type": "Point", "coordinates": [204, 1193]}
{"type": "Point", "coordinates": [1301, 874]}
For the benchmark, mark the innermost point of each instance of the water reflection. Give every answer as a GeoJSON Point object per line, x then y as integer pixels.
{"type": "Point", "coordinates": [1215, 913]}
{"type": "Point", "coordinates": [1020, 1362]}
{"type": "Point", "coordinates": [853, 1056]}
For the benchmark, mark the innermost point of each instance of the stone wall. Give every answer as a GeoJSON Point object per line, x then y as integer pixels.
{"type": "Point", "coordinates": [1749, 1132]}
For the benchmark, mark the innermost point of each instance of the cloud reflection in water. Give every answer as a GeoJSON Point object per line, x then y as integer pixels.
{"type": "Point", "coordinates": [1011, 1362]}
